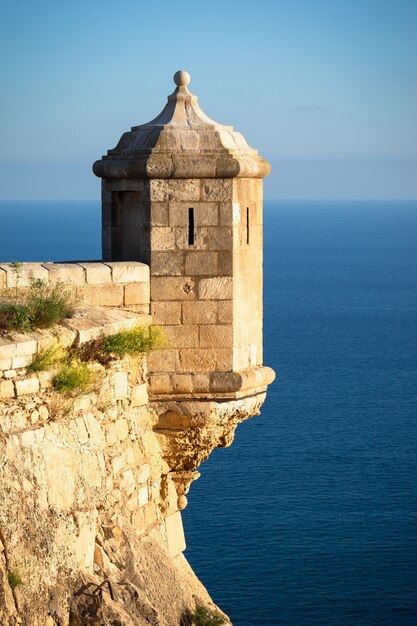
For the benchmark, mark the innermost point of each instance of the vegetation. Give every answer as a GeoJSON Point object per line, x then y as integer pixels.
{"type": "Point", "coordinates": [46, 360]}
{"type": "Point", "coordinates": [74, 378]}
{"type": "Point", "coordinates": [14, 578]}
{"type": "Point", "coordinates": [41, 305]}
{"type": "Point", "coordinates": [133, 342]}
{"type": "Point", "coordinates": [205, 617]}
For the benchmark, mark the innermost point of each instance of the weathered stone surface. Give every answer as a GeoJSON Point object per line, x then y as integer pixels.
{"type": "Point", "coordinates": [128, 272]}
{"type": "Point", "coordinates": [137, 293]}
{"type": "Point", "coordinates": [68, 273]}
{"type": "Point", "coordinates": [175, 288]}
{"type": "Point", "coordinates": [27, 385]}
{"type": "Point", "coordinates": [96, 273]}
{"type": "Point", "coordinates": [215, 288]}
{"type": "Point", "coordinates": [199, 312]}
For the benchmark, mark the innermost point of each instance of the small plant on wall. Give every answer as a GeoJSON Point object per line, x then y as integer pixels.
{"type": "Point", "coordinates": [40, 305]}
{"type": "Point", "coordinates": [132, 342]}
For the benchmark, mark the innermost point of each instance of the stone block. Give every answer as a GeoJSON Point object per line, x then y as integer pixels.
{"type": "Point", "coordinates": [225, 263]}
{"type": "Point", "coordinates": [102, 295]}
{"type": "Point", "coordinates": [65, 273]}
{"type": "Point", "coordinates": [201, 382]}
{"type": "Point", "coordinates": [139, 395]}
{"type": "Point", "coordinates": [96, 273]}
{"type": "Point", "coordinates": [167, 263]}
{"type": "Point", "coordinates": [229, 213]}
{"type": "Point", "coordinates": [137, 293]}
{"type": "Point", "coordinates": [216, 336]}
{"type": "Point", "coordinates": [175, 288]}
{"type": "Point", "coordinates": [7, 348]}
{"type": "Point", "coordinates": [201, 263]}
{"type": "Point", "coordinates": [143, 496]}
{"type": "Point", "coordinates": [200, 238]}
{"type": "Point", "coordinates": [175, 534]}
{"type": "Point", "coordinates": [45, 379]}
{"type": "Point", "coordinates": [162, 360]}
{"type": "Point", "coordinates": [172, 190]}
{"type": "Point", "coordinates": [181, 383]}
{"type": "Point", "coordinates": [119, 382]}
{"type": "Point", "coordinates": [21, 361]}
{"type": "Point", "coordinates": [219, 288]}
{"type": "Point", "coordinates": [206, 214]}
{"type": "Point", "coordinates": [129, 271]}
{"type": "Point", "coordinates": [220, 238]}
{"type": "Point", "coordinates": [225, 312]}
{"type": "Point", "coordinates": [25, 346]}
{"type": "Point", "coordinates": [159, 214]}
{"type": "Point", "coordinates": [24, 276]}
{"type": "Point", "coordinates": [26, 385]}
{"type": "Point", "coordinates": [111, 434]}
{"type": "Point", "coordinates": [178, 214]}
{"type": "Point", "coordinates": [28, 439]}
{"type": "Point", "coordinates": [159, 383]}
{"type": "Point", "coordinates": [166, 312]}
{"type": "Point", "coordinates": [162, 238]}
{"type": "Point", "coordinates": [5, 364]}
{"type": "Point", "coordinates": [204, 359]}
{"type": "Point", "coordinates": [198, 312]}
{"type": "Point", "coordinates": [182, 336]}
{"type": "Point", "coordinates": [6, 389]}
{"type": "Point", "coordinates": [122, 429]}
{"type": "Point", "coordinates": [213, 190]}
{"type": "Point", "coordinates": [143, 473]}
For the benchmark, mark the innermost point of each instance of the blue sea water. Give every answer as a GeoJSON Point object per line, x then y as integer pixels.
{"type": "Point", "coordinates": [310, 517]}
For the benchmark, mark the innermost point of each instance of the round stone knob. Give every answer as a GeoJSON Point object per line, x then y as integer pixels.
{"type": "Point", "coordinates": [182, 78]}
{"type": "Point", "coordinates": [182, 502]}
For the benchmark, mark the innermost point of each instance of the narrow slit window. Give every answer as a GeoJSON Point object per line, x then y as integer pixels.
{"type": "Point", "coordinates": [247, 225]}
{"type": "Point", "coordinates": [190, 227]}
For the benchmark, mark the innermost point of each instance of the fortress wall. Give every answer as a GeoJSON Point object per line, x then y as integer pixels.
{"type": "Point", "coordinates": [88, 494]}
{"type": "Point", "coordinates": [113, 284]}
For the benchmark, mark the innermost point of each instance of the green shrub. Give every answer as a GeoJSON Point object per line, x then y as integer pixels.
{"type": "Point", "coordinates": [205, 617]}
{"type": "Point", "coordinates": [14, 578]}
{"type": "Point", "coordinates": [49, 304]}
{"type": "Point", "coordinates": [74, 378]}
{"type": "Point", "coordinates": [135, 341]}
{"type": "Point", "coordinates": [40, 306]}
{"type": "Point", "coordinates": [44, 361]}
{"type": "Point", "coordinates": [15, 316]}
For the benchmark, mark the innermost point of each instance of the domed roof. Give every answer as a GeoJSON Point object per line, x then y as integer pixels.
{"type": "Point", "coordinates": [182, 142]}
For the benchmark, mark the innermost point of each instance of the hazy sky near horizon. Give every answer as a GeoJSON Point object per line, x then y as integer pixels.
{"type": "Point", "coordinates": [326, 90]}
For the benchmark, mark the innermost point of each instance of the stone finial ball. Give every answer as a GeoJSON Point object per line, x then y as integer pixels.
{"type": "Point", "coordinates": [182, 502]}
{"type": "Point", "coordinates": [182, 78]}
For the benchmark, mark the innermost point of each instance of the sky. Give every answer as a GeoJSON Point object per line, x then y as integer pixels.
{"type": "Point", "coordinates": [326, 90]}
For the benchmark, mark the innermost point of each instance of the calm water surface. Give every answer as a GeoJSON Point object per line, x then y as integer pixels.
{"type": "Point", "coordinates": [310, 518]}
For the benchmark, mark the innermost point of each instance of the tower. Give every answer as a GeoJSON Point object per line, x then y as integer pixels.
{"type": "Point", "coordinates": [183, 194]}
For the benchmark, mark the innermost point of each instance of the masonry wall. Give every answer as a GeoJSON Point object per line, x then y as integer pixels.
{"type": "Point", "coordinates": [86, 491]}
{"type": "Point", "coordinates": [247, 273]}
{"type": "Point", "coordinates": [111, 284]}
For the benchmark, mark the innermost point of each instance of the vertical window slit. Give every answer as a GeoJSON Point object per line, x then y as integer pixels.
{"type": "Point", "coordinates": [247, 225]}
{"type": "Point", "coordinates": [190, 227]}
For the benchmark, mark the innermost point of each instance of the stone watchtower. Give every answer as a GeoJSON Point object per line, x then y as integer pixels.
{"type": "Point", "coordinates": [183, 194]}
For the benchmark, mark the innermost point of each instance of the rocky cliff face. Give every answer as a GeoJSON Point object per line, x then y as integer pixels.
{"type": "Point", "coordinates": [91, 490]}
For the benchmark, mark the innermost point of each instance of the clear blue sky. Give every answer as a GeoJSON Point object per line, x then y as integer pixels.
{"type": "Point", "coordinates": [326, 89]}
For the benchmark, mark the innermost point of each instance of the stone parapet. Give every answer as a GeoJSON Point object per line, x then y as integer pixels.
{"type": "Point", "coordinates": [113, 284]}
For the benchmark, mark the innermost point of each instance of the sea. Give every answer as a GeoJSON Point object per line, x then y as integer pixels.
{"type": "Point", "coordinates": [310, 517]}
